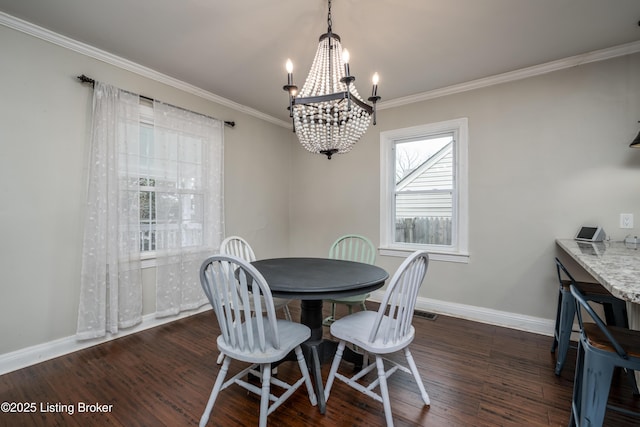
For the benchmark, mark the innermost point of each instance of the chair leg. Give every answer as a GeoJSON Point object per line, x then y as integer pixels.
{"type": "Point", "coordinates": [287, 313]}
{"type": "Point", "coordinates": [334, 368]}
{"type": "Point", "coordinates": [416, 376]}
{"type": "Point", "coordinates": [305, 373]}
{"type": "Point", "coordinates": [596, 382]}
{"type": "Point", "coordinates": [265, 369]}
{"type": "Point", "coordinates": [332, 317]}
{"type": "Point", "coordinates": [220, 359]}
{"type": "Point", "coordinates": [214, 392]}
{"type": "Point", "coordinates": [577, 387]}
{"type": "Point", "coordinates": [631, 374]}
{"type": "Point", "coordinates": [567, 314]}
{"type": "Point", "coordinates": [616, 313]}
{"type": "Point", "coordinates": [384, 391]}
{"type": "Point", "coordinates": [554, 345]}
{"type": "Point", "coordinates": [365, 359]}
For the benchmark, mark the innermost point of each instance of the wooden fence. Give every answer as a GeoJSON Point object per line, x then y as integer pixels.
{"type": "Point", "coordinates": [424, 230]}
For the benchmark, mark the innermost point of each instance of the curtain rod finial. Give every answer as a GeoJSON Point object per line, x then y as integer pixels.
{"type": "Point", "coordinates": [85, 79]}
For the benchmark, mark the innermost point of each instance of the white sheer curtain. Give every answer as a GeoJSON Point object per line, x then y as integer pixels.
{"type": "Point", "coordinates": [189, 204]}
{"type": "Point", "coordinates": [111, 280]}
{"type": "Point", "coordinates": [163, 170]}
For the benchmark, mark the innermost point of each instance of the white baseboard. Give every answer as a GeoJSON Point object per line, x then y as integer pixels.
{"type": "Point", "coordinates": [39, 353]}
{"type": "Point", "coordinates": [520, 322]}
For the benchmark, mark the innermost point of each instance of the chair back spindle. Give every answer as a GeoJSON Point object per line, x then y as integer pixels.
{"type": "Point", "coordinates": [353, 247]}
{"type": "Point", "coordinates": [350, 247]}
{"type": "Point", "coordinates": [238, 247]}
{"type": "Point", "coordinates": [393, 320]}
{"type": "Point", "coordinates": [240, 298]}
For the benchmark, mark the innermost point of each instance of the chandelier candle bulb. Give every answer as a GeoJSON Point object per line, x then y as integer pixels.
{"type": "Point", "coordinates": [289, 67]}
{"type": "Point", "coordinates": [375, 79]}
{"type": "Point", "coordinates": [345, 59]}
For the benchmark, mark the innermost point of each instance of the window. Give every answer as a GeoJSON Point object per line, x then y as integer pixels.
{"type": "Point", "coordinates": [146, 182]}
{"type": "Point", "coordinates": [170, 189]}
{"type": "Point", "coordinates": [424, 190]}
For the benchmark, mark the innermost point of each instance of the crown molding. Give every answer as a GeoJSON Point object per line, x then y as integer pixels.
{"type": "Point", "coordinates": [536, 70]}
{"type": "Point", "coordinates": [92, 52]}
{"type": "Point", "coordinates": [523, 73]}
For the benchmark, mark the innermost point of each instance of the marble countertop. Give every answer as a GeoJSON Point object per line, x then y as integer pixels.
{"type": "Point", "coordinates": [615, 265]}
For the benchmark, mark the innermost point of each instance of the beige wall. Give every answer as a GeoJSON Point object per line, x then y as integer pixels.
{"type": "Point", "coordinates": [44, 116]}
{"type": "Point", "coordinates": [546, 154]}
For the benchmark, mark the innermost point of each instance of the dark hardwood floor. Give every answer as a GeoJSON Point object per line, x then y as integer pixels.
{"type": "Point", "coordinates": [475, 374]}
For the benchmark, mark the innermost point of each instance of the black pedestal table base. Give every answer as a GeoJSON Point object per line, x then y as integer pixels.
{"type": "Point", "coordinates": [318, 351]}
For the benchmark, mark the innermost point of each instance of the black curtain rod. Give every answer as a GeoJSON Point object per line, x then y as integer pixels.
{"type": "Point", "coordinates": [92, 82]}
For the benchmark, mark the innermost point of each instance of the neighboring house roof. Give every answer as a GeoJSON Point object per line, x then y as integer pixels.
{"type": "Point", "coordinates": [436, 173]}
{"type": "Point", "coordinates": [431, 171]}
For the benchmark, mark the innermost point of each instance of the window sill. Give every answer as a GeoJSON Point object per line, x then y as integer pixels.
{"type": "Point", "coordinates": [148, 259]}
{"type": "Point", "coordinates": [433, 255]}
{"type": "Point", "coordinates": [148, 262]}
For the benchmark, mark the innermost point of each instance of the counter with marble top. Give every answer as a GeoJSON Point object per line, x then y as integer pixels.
{"type": "Point", "coordinates": [615, 265]}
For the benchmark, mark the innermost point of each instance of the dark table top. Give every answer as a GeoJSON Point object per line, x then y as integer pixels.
{"type": "Point", "coordinates": [319, 278]}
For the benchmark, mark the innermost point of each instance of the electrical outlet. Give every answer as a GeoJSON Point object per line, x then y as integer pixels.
{"type": "Point", "coordinates": [626, 220]}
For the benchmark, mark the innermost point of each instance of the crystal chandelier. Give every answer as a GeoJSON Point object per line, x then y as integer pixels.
{"type": "Point", "coordinates": [328, 114]}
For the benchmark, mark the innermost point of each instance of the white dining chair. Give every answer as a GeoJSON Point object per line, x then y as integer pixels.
{"type": "Point", "coordinates": [350, 247]}
{"type": "Point", "coordinates": [239, 247]}
{"type": "Point", "coordinates": [383, 332]}
{"type": "Point", "coordinates": [251, 333]}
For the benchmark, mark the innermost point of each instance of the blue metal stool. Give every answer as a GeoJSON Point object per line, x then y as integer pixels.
{"type": "Point", "coordinates": [601, 349]}
{"type": "Point", "coordinates": [615, 311]}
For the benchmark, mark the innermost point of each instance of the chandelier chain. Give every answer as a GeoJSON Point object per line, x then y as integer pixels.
{"type": "Point", "coordinates": [329, 22]}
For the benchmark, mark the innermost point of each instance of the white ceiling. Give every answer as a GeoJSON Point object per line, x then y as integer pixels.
{"type": "Point", "coordinates": [237, 49]}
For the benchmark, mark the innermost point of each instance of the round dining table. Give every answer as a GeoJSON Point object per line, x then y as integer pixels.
{"type": "Point", "coordinates": [312, 280]}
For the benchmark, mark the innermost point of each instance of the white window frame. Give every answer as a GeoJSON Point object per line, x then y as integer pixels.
{"type": "Point", "coordinates": [146, 119]}
{"type": "Point", "coordinates": [459, 249]}
{"type": "Point", "coordinates": [148, 257]}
